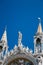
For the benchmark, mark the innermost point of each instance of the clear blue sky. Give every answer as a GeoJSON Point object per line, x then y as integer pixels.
{"type": "Point", "coordinates": [20, 15]}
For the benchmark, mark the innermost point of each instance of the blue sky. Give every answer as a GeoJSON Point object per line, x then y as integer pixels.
{"type": "Point", "coordinates": [20, 15]}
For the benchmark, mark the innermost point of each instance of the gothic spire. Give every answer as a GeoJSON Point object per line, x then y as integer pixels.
{"type": "Point", "coordinates": [39, 27]}
{"type": "Point", "coordinates": [4, 37]}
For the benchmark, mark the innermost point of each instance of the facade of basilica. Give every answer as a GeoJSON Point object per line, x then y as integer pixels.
{"type": "Point", "coordinates": [21, 55]}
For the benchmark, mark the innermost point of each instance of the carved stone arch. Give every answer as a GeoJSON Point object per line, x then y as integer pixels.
{"type": "Point", "coordinates": [28, 57]}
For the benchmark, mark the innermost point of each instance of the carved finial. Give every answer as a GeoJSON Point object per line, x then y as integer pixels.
{"type": "Point", "coordinates": [39, 19]}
